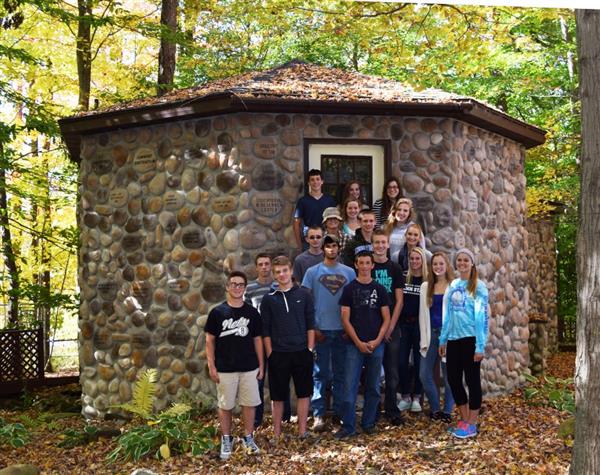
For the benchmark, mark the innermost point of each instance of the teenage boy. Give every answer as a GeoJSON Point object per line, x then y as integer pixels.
{"type": "Point", "coordinates": [327, 281]}
{"type": "Point", "coordinates": [312, 256]}
{"type": "Point", "coordinates": [366, 317]}
{"type": "Point", "coordinates": [234, 352]}
{"type": "Point", "coordinates": [332, 222]}
{"type": "Point", "coordinates": [288, 317]}
{"type": "Point", "coordinates": [309, 209]}
{"type": "Point", "coordinates": [389, 275]}
{"type": "Point", "coordinates": [255, 291]}
{"type": "Point", "coordinates": [361, 242]}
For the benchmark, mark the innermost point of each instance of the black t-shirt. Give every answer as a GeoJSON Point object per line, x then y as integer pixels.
{"type": "Point", "coordinates": [389, 275]}
{"type": "Point", "coordinates": [234, 330]}
{"type": "Point", "coordinates": [365, 302]}
{"type": "Point", "coordinates": [412, 294]}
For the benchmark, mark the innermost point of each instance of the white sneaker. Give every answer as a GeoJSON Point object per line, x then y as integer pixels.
{"type": "Point", "coordinates": [415, 406]}
{"type": "Point", "coordinates": [250, 445]}
{"type": "Point", "coordinates": [226, 447]}
{"type": "Point", "coordinates": [404, 404]}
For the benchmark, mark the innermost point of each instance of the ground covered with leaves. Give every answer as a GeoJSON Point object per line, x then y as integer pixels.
{"type": "Point", "coordinates": [515, 436]}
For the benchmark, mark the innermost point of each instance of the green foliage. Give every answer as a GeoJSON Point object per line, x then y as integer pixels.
{"type": "Point", "coordinates": [179, 434]}
{"type": "Point", "coordinates": [566, 264]}
{"type": "Point", "coordinates": [14, 434]}
{"type": "Point", "coordinates": [73, 437]}
{"type": "Point", "coordinates": [144, 390]}
{"type": "Point", "coordinates": [550, 391]}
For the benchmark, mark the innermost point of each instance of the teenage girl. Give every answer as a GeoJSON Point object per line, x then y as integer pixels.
{"type": "Point", "coordinates": [382, 207]}
{"type": "Point", "coordinates": [414, 238]}
{"type": "Point", "coordinates": [463, 338]}
{"type": "Point", "coordinates": [401, 217]}
{"type": "Point", "coordinates": [431, 316]}
{"type": "Point", "coordinates": [350, 211]}
{"type": "Point", "coordinates": [409, 331]}
{"type": "Point", "coordinates": [352, 190]}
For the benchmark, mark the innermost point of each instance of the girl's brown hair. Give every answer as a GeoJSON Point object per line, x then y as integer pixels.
{"type": "Point", "coordinates": [424, 270]}
{"type": "Point", "coordinates": [432, 278]}
{"type": "Point", "coordinates": [346, 193]}
{"type": "Point", "coordinates": [387, 203]}
{"type": "Point", "coordinates": [390, 223]}
{"type": "Point", "coordinates": [473, 276]}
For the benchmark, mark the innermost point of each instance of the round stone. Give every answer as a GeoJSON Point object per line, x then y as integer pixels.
{"type": "Point", "coordinates": [291, 137]}
{"type": "Point", "coordinates": [213, 290]}
{"type": "Point", "coordinates": [193, 238]}
{"type": "Point", "coordinates": [216, 223]}
{"type": "Point", "coordinates": [173, 200]}
{"type": "Point", "coordinates": [231, 241]}
{"type": "Point", "coordinates": [168, 221]}
{"type": "Point", "coordinates": [412, 183]}
{"type": "Point", "coordinates": [196, 258]}
{"type": "Point", "coordinates": [174, 302]}
{"type": "Point", "coordinates": [191, 301]}
{"type": "Point", "coordinates": [267, 177]}
{"type": "Point", "coordinates": [230, 220]}
{"type": "Point", "coordinates": [165, 320]}
{"type": "Point", "coordinates": [227, 180]}
{"type": "Point", "coordinates": [200, 216]}
{"type": "Point", "coordinates": [184, 216]}
{"type": "Point", "coordinates": [422, 141]}
{"type": "Point", "coordinates": [144, 160]}
{"type": "Point", "coordinates": [177, 366]}
{"type": "Point", "coordinates": [188, 179]}
{"type": "Point", "coordinates": [142, 272]}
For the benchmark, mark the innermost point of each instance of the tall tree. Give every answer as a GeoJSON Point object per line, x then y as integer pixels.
{"type": "Point", "coordinates": [168, 46]}
{"type": "Point", "coordinates": [84, 52]}
{"type": "Point", "coordinates": [586, 451]}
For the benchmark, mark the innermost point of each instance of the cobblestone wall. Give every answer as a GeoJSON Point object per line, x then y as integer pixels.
{"type": "Point", "coordinates": [165, 210]}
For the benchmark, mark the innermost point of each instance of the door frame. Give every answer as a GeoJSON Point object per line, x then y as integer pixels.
{"type": "Point", "coordinates": [385, 144]}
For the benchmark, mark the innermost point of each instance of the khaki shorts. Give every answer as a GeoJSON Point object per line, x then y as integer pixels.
{"type": "Point", "coordinates": [244, 385]}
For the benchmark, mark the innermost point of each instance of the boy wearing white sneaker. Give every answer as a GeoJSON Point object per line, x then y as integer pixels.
{"type": "Point", "coordinates": [234, 352]}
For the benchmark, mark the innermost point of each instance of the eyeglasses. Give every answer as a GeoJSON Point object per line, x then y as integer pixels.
{"type": "Point", "coordinates": [315, 237]}
{"type": "Point", "coordinates": [235, 285]}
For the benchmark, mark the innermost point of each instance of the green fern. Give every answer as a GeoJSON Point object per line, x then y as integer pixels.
{"type": "Point", "coordinates": [144, 390]}
{"type": "Point", "coordinates": [175, 410]}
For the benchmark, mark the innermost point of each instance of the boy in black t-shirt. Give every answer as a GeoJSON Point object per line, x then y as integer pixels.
{"type": "Point", "coordinates": [234, 352]}
{"type": "Point", "coordinates": [365, 316]}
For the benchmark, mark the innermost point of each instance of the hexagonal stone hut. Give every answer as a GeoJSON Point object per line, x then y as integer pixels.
{"type": "Point", "coordinates": [177, 190]}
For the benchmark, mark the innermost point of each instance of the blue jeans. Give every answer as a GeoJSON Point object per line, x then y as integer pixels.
{"type": "Point", "coordinates": [329, 365]}
{"type": "Point", "coordinates": [409, 341]}
{"type": "Point", "coordinates": [391, 367]}
{"type": "Point", "coordinates": [355, 360]}
{"type": "Point", "coordinates": [426, 375]}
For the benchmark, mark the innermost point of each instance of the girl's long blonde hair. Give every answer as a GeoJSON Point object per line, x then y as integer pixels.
{"type": "Point", "coordinates": [432, 278]}
{"type": "Point", "coordinates": [424, 269]}
{"type": "Point", "coordinates": [390, 223]}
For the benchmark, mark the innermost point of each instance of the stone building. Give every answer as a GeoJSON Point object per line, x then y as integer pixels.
{"type": "Point", "coordinates": [177, 190]}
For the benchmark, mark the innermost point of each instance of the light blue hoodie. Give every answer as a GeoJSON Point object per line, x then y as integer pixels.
{"type": "Point", "coordinates": [466, 315]}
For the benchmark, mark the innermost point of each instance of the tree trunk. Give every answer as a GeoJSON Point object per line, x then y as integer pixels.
{"type": "Point", "coordinates": [586, 450]}
{"type": "Point", "coordinates": [10, 260]}
{"type": "Point", "coordinates": [84, 53]}
{"type": "Point", "coordinates": [168, 47]}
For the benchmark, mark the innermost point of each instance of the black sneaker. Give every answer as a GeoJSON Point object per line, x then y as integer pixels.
{"type": "Point", "coordinates": [397, 421]}
{"type": "Point", "coordinates": [343, 434]}
{"type": "Point", "coordinates": [445, 417]}
{"type": "Point", "coordinates": [435, 416]}
{"type": "Point", "coordinates": [369, 430]}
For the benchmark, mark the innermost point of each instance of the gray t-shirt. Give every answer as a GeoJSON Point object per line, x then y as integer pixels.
{"type": "Point", "coordinates": [303, 262]}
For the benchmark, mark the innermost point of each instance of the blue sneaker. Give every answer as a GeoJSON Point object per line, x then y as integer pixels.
{"type": "Point", "coordinates": [465, 430]}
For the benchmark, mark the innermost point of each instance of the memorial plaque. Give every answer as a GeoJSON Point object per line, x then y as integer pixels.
{"type": "Point", "coordinates": [118, 197]}
{"type": "Point", "coordinates": [102, 339]}
{"type": "Point", "coordinates": [144, 160]}
{"type": "Point", "coordinates": [442, 216]}
{"type": "Point", "coordinates": [178, 335]}
{"type": "Point", "coordinates": [340, 130]}
{"type": "Point", "coordinates": [107, 289]}
{"type": "Point", "coordinates": [265, 148]}
{"type": "Point", "coordinates": [423, 202]}
{"type": "Point", "coordinates": [267, 177]}
{"type": "Point", "coordinates": [101, 167]}
{"type": "Point", "coordinates": [179, 286]}
{"type": "Point", "coordinates": [213, 291]}
{"type": "Point", "coordinates": [193, 239]}
{"type": "Point", "coordinates": [267, 204]}
{"type": "Point", "coordinates": [131, 242]}
{"type": "Point", "coordinates": [141, 341]}
{"type": "Point", "coordinates": [173, 200]}
{"type": "Point", "coordinates": [224, 204]}
{"type": "Point", "coordinates": [142, 291]}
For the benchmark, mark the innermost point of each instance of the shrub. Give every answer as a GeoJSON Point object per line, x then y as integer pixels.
{"type": "Point", "coordinates": [546, 390]}
{"type": "Point", "coordinates": [14, 434]}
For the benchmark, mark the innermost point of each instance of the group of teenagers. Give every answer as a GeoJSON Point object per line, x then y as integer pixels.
{"type": "Point", "coordinates": [352, 304]}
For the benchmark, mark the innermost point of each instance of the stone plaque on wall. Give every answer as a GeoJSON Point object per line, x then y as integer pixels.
{"type": "Point", "coordinates": [144, 160]}
{"type": "Point", "coordinates": [173, 200]}
{"type": "Point", "coordinates": [267, 177]}
{"type": "Point", "coordinates": [265, 148]}
{"type": "Point", "coordinates": [267, 204]}
{"type": "Point", "coordinates": [224, 204]}
{"type": "Point", "coordinates": [107, 289]}
{"type": "Point", "coordinates": [193, 239]}
{"type": "Point", "coordinates": [118, 197]}
{"type": "Point", "coordinates": [100, 167]}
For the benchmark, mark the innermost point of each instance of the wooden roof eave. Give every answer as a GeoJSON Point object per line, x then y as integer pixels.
{"type": "Point", "coordinates": [467, 110]}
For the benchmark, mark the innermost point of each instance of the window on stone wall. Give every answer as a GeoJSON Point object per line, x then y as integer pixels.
{"type": "Point", "coordinates": [340, 169]}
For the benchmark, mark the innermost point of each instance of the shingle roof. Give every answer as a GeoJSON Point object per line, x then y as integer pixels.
{"type": "Point", "coordinates": [297, 87]}
{"type": "Point", "coordinates": [299, 81]}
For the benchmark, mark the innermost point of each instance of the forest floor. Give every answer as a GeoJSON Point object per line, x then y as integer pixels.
{"type": "Point", "coordinates": [515, 437]}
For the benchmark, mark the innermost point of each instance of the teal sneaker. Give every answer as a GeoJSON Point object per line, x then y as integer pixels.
{"type": "Point", "coordinates": [460, 424]}
{"type": "Point", "coordinates": [465, 431]}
